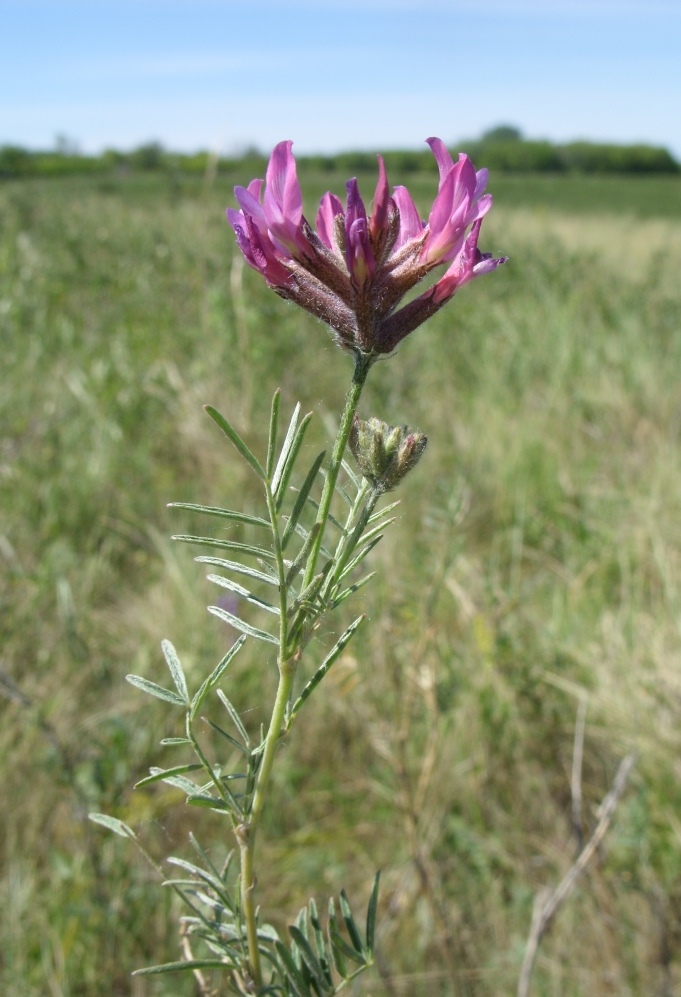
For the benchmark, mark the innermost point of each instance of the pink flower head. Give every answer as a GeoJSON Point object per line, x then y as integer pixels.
{"type": "Point", "coordinates": [354, 270]}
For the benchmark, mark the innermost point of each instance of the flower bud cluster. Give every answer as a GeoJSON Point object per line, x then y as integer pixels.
{"type": "Point", "coordinates": [384, 453]}
{"type": "Point", "coordinates": [353, 270]}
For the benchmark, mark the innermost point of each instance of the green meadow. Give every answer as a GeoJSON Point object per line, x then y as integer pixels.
{"type": "Point", "coordinates": [533, 571]}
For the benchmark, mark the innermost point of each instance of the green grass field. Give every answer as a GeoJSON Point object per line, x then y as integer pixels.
{"type": "Point", "coordinates": [535, 562]}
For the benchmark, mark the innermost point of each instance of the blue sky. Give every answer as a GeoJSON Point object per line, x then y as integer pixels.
{"type": "Point", "coordinates": [332, 75]}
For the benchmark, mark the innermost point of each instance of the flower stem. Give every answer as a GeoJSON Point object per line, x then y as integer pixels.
{"type": "Point", "coordinates": [246, 832]}
{"type": "Point", "coordinates": [363, 364]}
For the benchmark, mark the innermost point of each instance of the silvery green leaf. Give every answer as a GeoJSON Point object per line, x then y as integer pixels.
{"type": "Point", "coordinates": [286, 447]}
{"type": "Point", "coordinates": [350, 924]}
{"type": "Point", "coordinates": [177, 781]}
{"type": "Point", "coordinates": [212, 510]}
{"type": "Point", "coordinates": [158, 775]}
{"type": "Point", "coordinates": [268, 555]}
{"type": "Point", "coordinates": [173, 662]}
{"type": "Point", "coordinates": [372, 911]}
{"type": "Point", "coordinates": [346, 593]}
{"type": "Point", "coordinates": [241, 569]}
{"type": "Point", "coordinates": [341, 491]}
{"type": "Point", "coordinates": [207, 800]}
{"type": "Point", "coordinates": [311, 960]}
{"type": "Point", "coordinates": [236, 719]}
{"type": "Point", "coordinates": [168, 741]}
{"type": "Point", "coordinates": [385, 511]}
{"type": "Point", "coordinates": [351, 474]}
{"type": "Point", "coordinates": [174, 967]}
{"type": "Point", "coordinates": [366, 537]}
{"type": "Point", "coordinates": [245, 628]}
{"type": "Point", "coordinates": [301, 499]}
{"type": "Point", "coordinates": [295, 978]}
{"type": "Point", "coordinates": [333, 930]}
{"type": "Point", "coordinates": [244, 593]}
{"type": "Point", "coordinates": [302, 555]}
{"type": "Point", "coordinates": [228, 737]}
{"type": "Point", "coordinates": [113, 824]}
{"type": "Point", "coordinates": [280, 482]}
{"type": "Point", "coordinates": [323, 669]}
{"type": "Point", "coordinates": [196, 870]}
{"type": "Point", "coordinates": [155, 690]}
{"type": "Point", "coordinates": [274, 428]}
{"type": "Point", "coordinates": [360, 557]}
{"type": "Point", "coordinates": [331, 519]}
{"type": "Point", "coordinates": [214, 677]}
{"type": "Point", "coordinates": [232, 434]}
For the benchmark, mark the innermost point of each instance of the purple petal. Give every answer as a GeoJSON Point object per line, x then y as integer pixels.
{"type": "Point", "coordinates": [411, 225]}
{"type": "Point", "coordinates": [442, 156]}
{"type": "Point", "coordinates": [379, 215]}
{"type": "Point", "coordinates": [481, 179]}
{"type": "Point", "coordinates": [330, 207]}
{"type": "Point", "coordinates": [283, 189]}
{"type": "Point", "coordinates": [249, 204]}
{"type": "Point", "coordinates": [358, 255]}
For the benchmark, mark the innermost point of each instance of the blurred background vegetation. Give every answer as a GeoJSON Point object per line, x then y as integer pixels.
{"type": "Point", "coordinates": [502, 148]}
{"type": "Point", "coordinates": [534, 565]}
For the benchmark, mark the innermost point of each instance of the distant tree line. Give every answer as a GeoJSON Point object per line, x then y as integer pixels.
{"type": "Point", "coordinates": [502, 149]}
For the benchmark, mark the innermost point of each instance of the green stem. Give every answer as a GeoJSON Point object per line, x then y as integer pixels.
{"type": "Point", "coordinates": [362, 367]}
{"type": "Point", "coordinates": [246, 832]}
{"type": "Point", "coordinates": [247, 901]}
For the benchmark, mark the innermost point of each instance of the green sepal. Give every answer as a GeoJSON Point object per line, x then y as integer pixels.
{"type": "Point", "coordinates": [245, 628]}
{"type": "Point", "coordinates": [301, 499]}
{"type": "Point", "coordinates": [213, 510]}
{"type": "Point", "coordinates": [175, 668]}
{"type": "Point", "coordinates": [232, 434]}
{"type": "Point", "coordinates": [155, 690]}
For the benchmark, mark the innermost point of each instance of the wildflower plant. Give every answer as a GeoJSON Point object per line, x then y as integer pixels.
{"type": "Point", "coordinates": [353, 271]}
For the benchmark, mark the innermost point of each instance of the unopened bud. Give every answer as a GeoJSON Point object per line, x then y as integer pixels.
{"type": "Point", "coordinates": [385, 453]}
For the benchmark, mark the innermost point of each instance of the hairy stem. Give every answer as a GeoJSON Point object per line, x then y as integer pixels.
{"type": "Point", "coordinates": [246, 832]}
{"type": "Point", "coordinates": [363, 365]}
